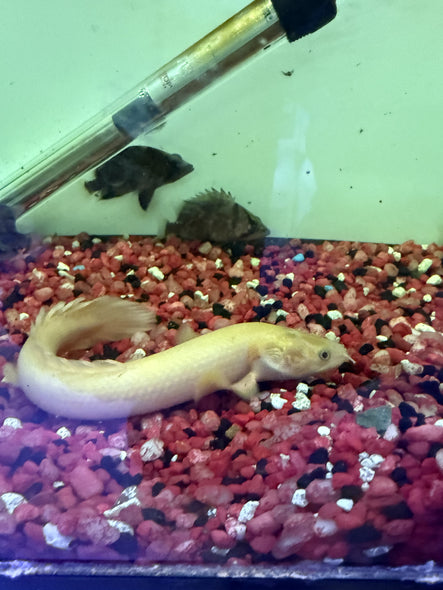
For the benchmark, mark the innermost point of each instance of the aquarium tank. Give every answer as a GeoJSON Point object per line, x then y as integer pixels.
{"type": "Point", "coordinates": [221, 291]}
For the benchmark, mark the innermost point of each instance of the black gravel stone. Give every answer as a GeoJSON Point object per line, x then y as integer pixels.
{"type": "Point", "coordinates": [220, 443]}
{"type": "Point", "coordinates": [306, 479]}
{"type": "Point", "coordinates": [340, 285]}
{"type": "Point", "coordinates": [196, 506]}
{"type": "Point", "coordinates": [220, 310]}
{"type": "Point", "coordinates": [389, 343]}
{"type": "Point", "coordinates": [133, 280]}
{"type": "Point", "coordinates": [340, 467]}
{"type": "Point", "coordinates": [266, 406]}
{"type": "Point", "coordinates": [428, 370]}
{"type": "Point", "coordinates": [363, 534]}
{"type": "Point", "coordinates": [189, 432]}
{"type": "Point", "coordinates": [404, 424]}
{"type": "Point", "coordinates": [434, 448]}
{"type": "Point", "coordinates": [319, 290]}
{"type": "Point", "coordinates": [237, 453]}
{"type": "Point", "coordinates": [379, 323]}
{"type": "Point", "coordinates": [260, 467]}
{"type": "Point", "coordinates": [318, 318]}
{"type": "Point", "coordinates": [24, 455]}
{"type": "Point", "coordinates": [126, 544]}
{"type": "Point", "coordinates": [366, 348]}
{"type": "Point", "coordinates": [201, 519]}
{"type": "Point", "coordinates": [154, 514]}
{"type": "Point", "coordinates": [14, 297]}
{"type": "Point", "coordinates": [399, 475]}
{"type": "Point", "coordinates": [421, 419]}
{"type": "Point", "coordinates": [286, 283]}
{"type": "Point", "coordinates": [167, 456]}
{"type": "Point", "coordinates": [351, 492]}
{"type": "Point", "coordinates": [33, 490]}
{"type": "Point", "coordinates": [227, 481]}
{"type": "Point", "coordinates": [367, 386]}
{"type": "Point", "coordinates": [387, 296]}
{"type": "Point", "coordinates": [319, 456]}
{"type": "Point", "coordinates": [360, 271]}
{"type": "Point", "coordinates": [406, 410]}
{"type": "Point", "coordinates": [157, 488]}
{"type": "Point", "coordinates": [397, 511]}
{"type": "Point", "coordinates": [263, 289]}
{"type": "Point", "coordinates": [343, 404]}
{"type": "Point", "coordinates": [262, 311]}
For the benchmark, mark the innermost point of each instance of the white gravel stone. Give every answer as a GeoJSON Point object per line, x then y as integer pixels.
{"type": "Point", "coordinates": [13, 422]}
{"type": "Point", "coordinates": [277, 401]}
{"type": "Point", "coordinates": [335, 314]}
{"type": "Point", "coordinates": [392, 432]}
{"type": "Point", "coordinates": [248, 510]}
{"type": "Point", "coordinates": [121, 526]}
{"type": "Point", "coordinates": [345, 504]}
{"type": "Point", "coordinates": [366, 474]}
{"type": "Point", "coordinates": [324, 430]}
{"type": "Point", "coordinates": [424, 265]}
{"type": "Point", "coordinates": [302, 402]}
{"type": "Point", "coordinates": [299, 498]}
{"type": "Point", "coordinates": [11, 500]}
{"type": "Point", "coordinates": [373, 461]}
{"type": "Point", "coordinates": [54, 537]}
{"type": "Point", "coordinates": [302, 388]}
{"type": "Point", "coordinates": [399, 292]}
{"type": "Point", "coordinates": [411, 368]}
{"type": "Point", "coordinates": [156, 273]}
{"type": "Point", "coordinates": [152, 449]}
{"type": "Point", "coordinates": [435, 280]}
{"type": "Point", "coordinates": [325, 527]}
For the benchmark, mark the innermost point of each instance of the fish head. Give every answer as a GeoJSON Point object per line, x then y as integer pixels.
{"type": "Point", "coordinates": [295, 355]}
{"type": "Point", "coordinates": [255, 228]}
{"type": "Point", "coordinates": [177, 168]}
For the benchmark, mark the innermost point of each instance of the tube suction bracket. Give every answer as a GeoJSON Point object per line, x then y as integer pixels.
{"type": "Point", "coordinates": [302, 17]}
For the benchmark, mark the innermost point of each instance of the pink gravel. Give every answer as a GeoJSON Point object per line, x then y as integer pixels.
{"type": "Point", "coordinates": [348, 466]}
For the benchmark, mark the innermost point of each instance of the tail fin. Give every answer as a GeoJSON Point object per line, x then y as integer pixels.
{"type": "Point", "coordinates": [81, 324]}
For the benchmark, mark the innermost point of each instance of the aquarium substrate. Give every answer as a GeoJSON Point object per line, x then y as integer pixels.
{"type": "Point", "coordinates": [346, 468]}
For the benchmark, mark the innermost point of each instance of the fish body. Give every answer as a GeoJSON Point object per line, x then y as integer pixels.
{"type": "Point", "coordinates": [138, 168]}
{"type": "Point", "coordinates": [235, 357]}
{"type": "Point", "coordinates": [215, 216]}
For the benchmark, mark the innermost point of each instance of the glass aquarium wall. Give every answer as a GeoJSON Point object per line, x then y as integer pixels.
{"type": "Point", "coordinates": [222, 348]}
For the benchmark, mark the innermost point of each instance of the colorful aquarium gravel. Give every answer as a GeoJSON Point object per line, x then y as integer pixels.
{"type": "Point", "coordinates": [347, 467]}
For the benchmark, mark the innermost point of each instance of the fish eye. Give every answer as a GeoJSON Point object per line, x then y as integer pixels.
{"type": "Point", "coordinates": [324, 355]}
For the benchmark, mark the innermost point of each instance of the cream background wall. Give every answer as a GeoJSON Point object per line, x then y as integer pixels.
{"type": "Point", "coordinates": [347, 147]}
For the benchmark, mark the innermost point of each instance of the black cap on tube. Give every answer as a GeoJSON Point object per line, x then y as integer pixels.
{"type": "Point", "coordinates": [301, 17]}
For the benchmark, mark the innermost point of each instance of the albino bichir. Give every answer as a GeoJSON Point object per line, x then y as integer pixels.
{"type": "Point", "coordinates": [234, 357]}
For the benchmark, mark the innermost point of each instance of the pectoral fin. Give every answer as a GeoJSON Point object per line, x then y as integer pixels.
{"type": "Point", "coordinates": [145, 195]}
{"type": "Point", "coordinates": [246, 387]}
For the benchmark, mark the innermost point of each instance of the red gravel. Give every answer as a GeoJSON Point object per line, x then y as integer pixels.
{"type": "Point", "coordinates": [348, 468]}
